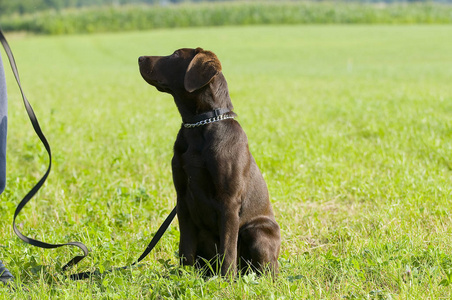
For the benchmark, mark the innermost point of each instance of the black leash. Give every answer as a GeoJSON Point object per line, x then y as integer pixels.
{"type": "Point", "coordinates": [35, 189]}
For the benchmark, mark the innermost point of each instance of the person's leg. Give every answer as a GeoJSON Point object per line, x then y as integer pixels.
{"type": "Point", "coordinates": [5, 275]}
{"type": "Point", "coordinates": [3, 127]}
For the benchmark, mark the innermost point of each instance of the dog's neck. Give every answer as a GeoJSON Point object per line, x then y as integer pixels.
{"type": "Point", "coordinates": [213, 96]}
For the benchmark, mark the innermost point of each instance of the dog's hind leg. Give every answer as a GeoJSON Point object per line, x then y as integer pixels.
{"type": "Point", "coordinates": [259, 244]}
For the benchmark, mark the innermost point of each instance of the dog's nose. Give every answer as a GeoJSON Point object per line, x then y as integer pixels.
{"type": "Point", "coordinates": [141, 58]}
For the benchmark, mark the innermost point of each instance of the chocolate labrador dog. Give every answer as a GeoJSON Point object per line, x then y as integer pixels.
{"type": "Point", "coordinates": [225, 216]}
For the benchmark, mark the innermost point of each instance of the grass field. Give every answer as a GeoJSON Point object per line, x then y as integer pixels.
{"type": "Point", "coordinates": [351, 126]}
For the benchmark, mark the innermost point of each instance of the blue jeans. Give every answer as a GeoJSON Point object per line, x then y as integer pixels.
{"type": "Point", "coordinates": [3, 127]}
{"type": "Point", "coordinates": [5, 275]}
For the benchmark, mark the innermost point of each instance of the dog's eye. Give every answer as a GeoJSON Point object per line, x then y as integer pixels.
{"type": "Point", "coordinates": [175, 54]}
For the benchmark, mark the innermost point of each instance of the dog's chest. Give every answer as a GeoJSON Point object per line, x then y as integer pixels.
{"type": "Point", "coordinates": [199, 192]}
{"type": "Point", "coordinates": [199, 183]}
{"type": "Point", "coordinates": [200, 196]}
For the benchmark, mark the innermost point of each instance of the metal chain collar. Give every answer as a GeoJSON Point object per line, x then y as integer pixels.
{"type": "Point", "coordinates": [208, 121]}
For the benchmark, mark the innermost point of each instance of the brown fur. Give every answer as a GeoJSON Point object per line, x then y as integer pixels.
{"type": "Point", "coordinates": [225, 216]}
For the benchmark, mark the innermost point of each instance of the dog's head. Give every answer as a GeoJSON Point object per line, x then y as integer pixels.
{"type": "Point", "coordinates": [185, 71]}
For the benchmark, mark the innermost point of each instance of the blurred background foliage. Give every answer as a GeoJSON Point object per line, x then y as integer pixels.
{"type": "Point", "coordinates": [8, 7]}
{"type": "Point", "coordinates": [87, 16]}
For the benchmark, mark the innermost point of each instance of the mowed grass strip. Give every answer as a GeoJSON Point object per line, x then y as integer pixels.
{"type": "Point", "coordinates": [351, 126]}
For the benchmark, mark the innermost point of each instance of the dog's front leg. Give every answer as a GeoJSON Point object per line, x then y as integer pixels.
{"type": "Point", "coordinates": [229, 229]}
{"type": "Point", "coordinates": [188, 238]}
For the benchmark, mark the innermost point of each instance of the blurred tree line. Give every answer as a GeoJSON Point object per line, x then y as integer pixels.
{"type": "Point", "coordinates": [8, 7]}
{"type": "Point", "coordinates": [30, 6]}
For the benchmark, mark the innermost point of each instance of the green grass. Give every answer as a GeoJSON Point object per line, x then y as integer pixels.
{"type": "Point", "coordinates": [351, 126]}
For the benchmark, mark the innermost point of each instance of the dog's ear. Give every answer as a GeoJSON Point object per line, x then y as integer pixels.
{"type": "Point", "coordinates": [201, 70]}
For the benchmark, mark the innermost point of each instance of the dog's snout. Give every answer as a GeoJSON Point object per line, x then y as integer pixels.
{"type": "Point", "coordinates": [141, 59]}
